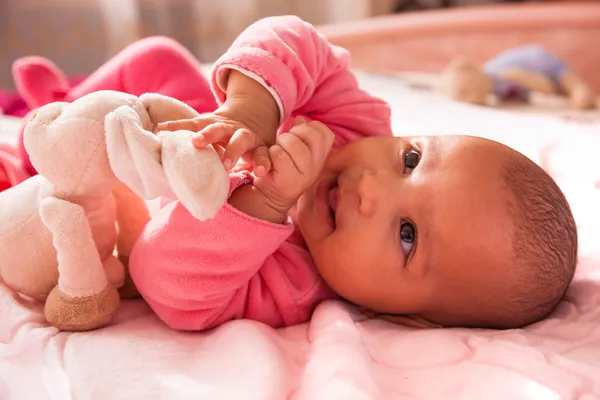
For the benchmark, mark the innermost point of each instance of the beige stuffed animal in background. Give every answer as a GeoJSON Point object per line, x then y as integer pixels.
{"type": "Point", "coordinates": [464, 81]}
{"type": "Point", "coordinates": [513, 75]}
{"type": "Point", "coordinates": [59, 240]}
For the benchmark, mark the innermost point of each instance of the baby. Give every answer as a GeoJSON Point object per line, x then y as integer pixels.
{"type": "Point", "coordinates": [426, 231]}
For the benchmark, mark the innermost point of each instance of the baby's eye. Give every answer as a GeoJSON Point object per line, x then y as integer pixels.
{"type": "Point", "coordinates": [411, 160]}
{"type": "Point", "coordinates": [408, 235]}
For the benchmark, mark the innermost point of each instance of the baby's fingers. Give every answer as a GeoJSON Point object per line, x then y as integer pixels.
{"type": "Point", "coordinates": [241, 142]}
{"type": "Point", "coordinates": [326, 133]}
{"type": "Point", "coordinates": [219, 150]}
{"type": "Point", "coordinates": [218, 132]}
{"type": "Point", "coordinates": [317, 137]}
{"type": "Point", "coordinates": [261, 162]}
{"type": "Point", "coordinates": [192, 124]}
{"type": "Point", "coordinates": [281, 161]}
{"type": "Point", "coordinates": [297, 150]}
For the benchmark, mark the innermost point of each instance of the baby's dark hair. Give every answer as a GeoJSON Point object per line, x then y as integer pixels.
{"type": "Point", "coordinates": [544, 242]}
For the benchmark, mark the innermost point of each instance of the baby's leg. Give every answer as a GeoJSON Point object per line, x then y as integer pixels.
{"type": "Point", "coordinates": [115, 271]}
{"type": "Point", "coordinates": [153, 65]}
{"type": "Point", "coordinates": [132, 217]}
{"type": "Point", "coordinates": [84, 298]}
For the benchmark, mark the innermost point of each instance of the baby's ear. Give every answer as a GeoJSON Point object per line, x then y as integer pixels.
{"type": "Point", "coordinates": [163, 108]}
{"type": "Point", "coordinates": [39, 81]}
{"type": "Point", "coordinates": [135, 154]}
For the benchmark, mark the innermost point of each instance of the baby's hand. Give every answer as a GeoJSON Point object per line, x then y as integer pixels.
{"type": "Point", "coordinates": [297, 158]}
{"type": "Point", "coordinates": [244, 126]}
{"type": "Point", "coordinates": [230, 138]}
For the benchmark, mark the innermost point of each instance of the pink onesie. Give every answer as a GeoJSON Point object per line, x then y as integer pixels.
{"type": "Point", "coordinates": [196, 275]}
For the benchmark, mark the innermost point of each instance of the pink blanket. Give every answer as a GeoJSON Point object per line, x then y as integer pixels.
{"type": "Point", "coordinates": [339, 354]}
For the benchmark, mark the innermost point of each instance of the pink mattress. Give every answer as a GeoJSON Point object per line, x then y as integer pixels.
{"type": "Point", "coordinates": [339, 354]}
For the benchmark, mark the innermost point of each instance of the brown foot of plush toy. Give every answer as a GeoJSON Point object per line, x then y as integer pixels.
{"type": "Point", "coordinates": [81, 313]}
{"type": "Point", "coordinates": [85, 298]}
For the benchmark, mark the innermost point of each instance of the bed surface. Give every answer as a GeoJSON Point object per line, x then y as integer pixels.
{"type": "Point", "coordinates": [339, 354]}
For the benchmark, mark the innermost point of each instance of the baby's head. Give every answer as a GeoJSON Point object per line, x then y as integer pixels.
{"type": "Point", "coordinates": [453, 230]}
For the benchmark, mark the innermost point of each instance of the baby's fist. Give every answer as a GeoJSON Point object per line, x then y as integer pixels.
{"type": "Point", "coordinates": [297, 158]}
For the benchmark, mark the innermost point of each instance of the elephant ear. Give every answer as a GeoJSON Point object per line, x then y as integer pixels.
{"type": "Point", "coordinates": [163, 108]}
{"type": "Point", "coordinates": [39, 81]}
{"type": "Point", "coordinates": [196, 176]}
{"type": "Point", "coordinates": [135, 154]}
{"type": "Point", "coordinates": [166, 164]}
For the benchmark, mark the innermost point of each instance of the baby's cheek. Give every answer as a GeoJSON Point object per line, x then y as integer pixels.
{"type": "Point", "coordinates": [344, 271]}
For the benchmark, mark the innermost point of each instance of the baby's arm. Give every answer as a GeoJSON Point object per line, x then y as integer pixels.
{"type": "Point", "coordinates": [306, 75]}
{"type": "Point", "coordinates": [199, 274]}
{"type": "Point", "coordinates": [196, 275]}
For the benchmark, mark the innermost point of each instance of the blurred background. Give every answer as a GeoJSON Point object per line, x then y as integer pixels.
{"type": "Point", "coordinates": [79, 35]}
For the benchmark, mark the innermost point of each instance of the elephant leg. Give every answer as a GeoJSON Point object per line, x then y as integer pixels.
{"type": "Point", "coordinates": [84, 298]}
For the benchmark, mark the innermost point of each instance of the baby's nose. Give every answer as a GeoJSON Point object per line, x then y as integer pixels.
{"type": "Point", "coordinates": [372, 191]}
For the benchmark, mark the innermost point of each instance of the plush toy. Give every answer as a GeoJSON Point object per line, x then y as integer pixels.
{"type": "Point", "coordinates": [165, 164]}
{"type": "Point", "coordinates": [513, 75]}
{"type": "Point", "coordinates": [152, 65]}
{"type": "Point", "coordinates": [60, 231]}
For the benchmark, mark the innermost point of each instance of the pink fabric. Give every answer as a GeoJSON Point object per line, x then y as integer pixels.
{"type": "Point", "coordinates": [151, 65]}
{"type": "Point", "coordinates": [11, 168]}
{"type": "Point", "coordinates": [12, 104]}
{"type": "Point", "coordinates": [39, 81]}
{"type": "Point", "coordinates": [196, 275]}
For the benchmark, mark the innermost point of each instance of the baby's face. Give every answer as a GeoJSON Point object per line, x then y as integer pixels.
{"type": "Point", "coordinates": [410, 226]}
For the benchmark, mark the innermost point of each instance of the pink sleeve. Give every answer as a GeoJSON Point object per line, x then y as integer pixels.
{"type": "Point", "coordinates": [306, 75]}
{"type": "Point", "coordinates": [196, 275]}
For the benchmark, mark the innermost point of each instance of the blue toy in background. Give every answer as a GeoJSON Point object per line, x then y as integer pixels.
{"type": "Point", "coordinates": [514, 74]}
{"type": "Point", "coordinates": [512, 70]}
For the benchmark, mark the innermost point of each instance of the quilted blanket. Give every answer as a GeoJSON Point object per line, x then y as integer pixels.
{"type": "Point", "coordinates": [339, 354]}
